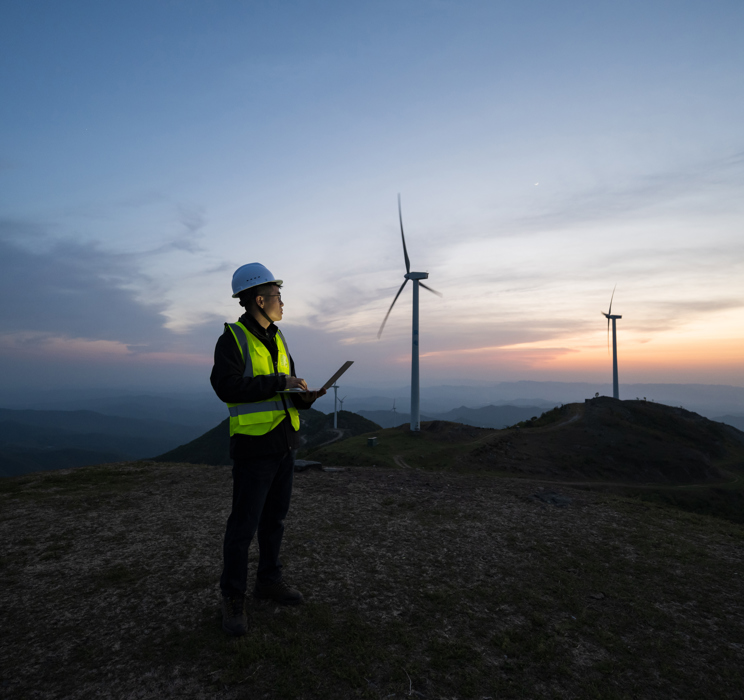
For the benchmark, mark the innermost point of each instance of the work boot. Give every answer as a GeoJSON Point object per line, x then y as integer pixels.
{"type": "Point", "coordinates": [234, 620]}
{"type": "Point", "coordinates": [279, 592]}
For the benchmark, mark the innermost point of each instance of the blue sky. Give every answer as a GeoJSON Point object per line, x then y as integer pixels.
{"type": "Point", "coordinates": [544, 152]}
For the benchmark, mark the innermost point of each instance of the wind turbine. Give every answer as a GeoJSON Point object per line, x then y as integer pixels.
{"type": "Point", "coordinates": [613, 317]}
{"type": "Point", "coordinates": [335, 405]}
{"type": "Point", "coordinates": [416, 277]}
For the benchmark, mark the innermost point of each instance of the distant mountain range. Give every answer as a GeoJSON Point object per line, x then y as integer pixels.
{"type": "Point", "coordinates": [41, 440]}
{"type": "Point", "coordinates": [80, 428]}
{"type": "Point", "coordinates": [202, 410]}
{"type": "Point", "coordinates": [486, 417]}
{"type": "Point", "coordinates": [708, 400]}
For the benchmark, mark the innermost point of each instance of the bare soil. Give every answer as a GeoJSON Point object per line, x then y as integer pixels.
{"type": "Point", "coordinates": [418, 584]}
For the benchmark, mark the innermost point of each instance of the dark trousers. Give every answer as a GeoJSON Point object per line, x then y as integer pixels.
{"type": "Point", "coordinates": [262, 488]}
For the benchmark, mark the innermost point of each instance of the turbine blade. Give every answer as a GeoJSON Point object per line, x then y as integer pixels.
{"type": "Point", "coordinates": [611, 298]}
{"type": "Point", "coordinates": [433, 291]}
{"type": "Point", "coordinates": [379, 333]}
{"type": "Point", "coordinates": [402, 235]}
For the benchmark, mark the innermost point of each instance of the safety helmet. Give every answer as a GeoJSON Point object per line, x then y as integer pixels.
{"type": "Point", "coordinates": [251, 275]}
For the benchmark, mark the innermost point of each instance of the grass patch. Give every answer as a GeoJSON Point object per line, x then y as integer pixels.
{"type": "Point", "coordinates": [428, 449]}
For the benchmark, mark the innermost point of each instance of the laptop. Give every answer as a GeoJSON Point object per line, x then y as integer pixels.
{"type": "Point", "coordinates": [325, 386]}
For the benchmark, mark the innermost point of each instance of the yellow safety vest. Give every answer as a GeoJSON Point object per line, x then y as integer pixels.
{"type": "Point", "coordinates": [260, 417]}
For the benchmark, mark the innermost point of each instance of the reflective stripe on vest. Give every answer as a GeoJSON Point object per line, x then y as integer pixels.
{"type": "Point", "coordinates": [260, 417]}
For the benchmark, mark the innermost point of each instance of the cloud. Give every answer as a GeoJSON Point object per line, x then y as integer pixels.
{"type": "Point", "coordinates": [73, 289]}
{"type": "Point", "coordinates": [193, 222]}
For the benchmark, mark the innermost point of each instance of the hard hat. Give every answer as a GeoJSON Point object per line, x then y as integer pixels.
{"type": "Point", "coordinates": [251, 275]}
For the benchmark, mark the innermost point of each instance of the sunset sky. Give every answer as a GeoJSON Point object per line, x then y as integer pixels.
{"type": "Point", "coordinates": [544, 152]}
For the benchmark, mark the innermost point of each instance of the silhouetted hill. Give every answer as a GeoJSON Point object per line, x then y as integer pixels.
{"type": "Point", "coordinates": [627, 441]}
{"type": "Point", "coordinates": [321, 430]}
{"type": "Point", "coordinates": [211, 448]}
{"type": "Point", "coordinates": [315, 428]}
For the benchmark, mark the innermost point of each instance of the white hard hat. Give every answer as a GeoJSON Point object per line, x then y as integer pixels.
{"type": "Point", "coordinates": [251, 275]}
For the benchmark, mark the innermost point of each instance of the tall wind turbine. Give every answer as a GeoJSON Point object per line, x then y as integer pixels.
{"type": "Point", "coordinates": [416, 277]}
{"type": "Point", "coordinates": [613, 317]}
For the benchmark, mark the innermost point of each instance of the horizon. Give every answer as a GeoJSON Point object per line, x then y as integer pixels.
{"type": "Point", "coordinates": [543, 156]}
{"type": "Point", "coordinates": [710, 400]}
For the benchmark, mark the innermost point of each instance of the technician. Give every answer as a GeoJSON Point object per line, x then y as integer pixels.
{"type": "Point", "coordinates": [251, 365]}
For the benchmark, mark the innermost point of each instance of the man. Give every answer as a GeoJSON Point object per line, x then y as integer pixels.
{"type": "Point", "coordinates": [251, 364]}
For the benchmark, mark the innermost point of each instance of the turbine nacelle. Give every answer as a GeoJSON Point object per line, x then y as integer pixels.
{"type": "Point", "coordinates": [417, 276]}
{"type": "Point", "coordinates": [609, 316]}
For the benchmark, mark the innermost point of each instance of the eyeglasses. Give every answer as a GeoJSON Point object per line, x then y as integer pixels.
{"type": "Point", "coordinates": [272, 295]}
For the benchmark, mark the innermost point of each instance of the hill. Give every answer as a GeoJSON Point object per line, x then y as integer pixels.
{"type": "Point", "coordinates": [315, 428]}
{"type": "Point", "coordinates": [211, 448]}
{"type": "Point", "coordinates": [319, 430]}
{"type": "Point", "coordinates": [418, 584]}
{"type": "Point", "coordinates": [662, 452]}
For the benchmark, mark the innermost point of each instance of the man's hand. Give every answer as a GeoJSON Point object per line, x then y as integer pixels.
{"type": "Point", "coordinates": [310, 396]}
{"type": "Point", "coordinates": [296, 383]}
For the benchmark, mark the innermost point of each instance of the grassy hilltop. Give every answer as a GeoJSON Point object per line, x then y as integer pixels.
{"type": "Point", "coordinates": [636, 448]}
{"type": "Point", "coordinates": [477, 577]}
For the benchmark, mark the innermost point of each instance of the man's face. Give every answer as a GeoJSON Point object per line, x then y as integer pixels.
{"type": "Point", "coordinates": [272, 303]}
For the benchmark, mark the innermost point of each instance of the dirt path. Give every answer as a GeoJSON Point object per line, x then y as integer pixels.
{"type": "Point", "coordinates": [339, 434]}
{"type": "Point", "coordinates": [575, 415]}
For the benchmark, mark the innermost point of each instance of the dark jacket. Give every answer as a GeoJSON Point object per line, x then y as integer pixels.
{"type": "Point", "coordinates": [231, 386]}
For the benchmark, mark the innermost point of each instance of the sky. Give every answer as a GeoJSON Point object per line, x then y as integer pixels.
{"type": "Point", "coordinates": [545, 153]}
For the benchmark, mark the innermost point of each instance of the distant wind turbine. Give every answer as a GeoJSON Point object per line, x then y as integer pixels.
{"type": "Point", "coordinates": [335, 405]}
{"type": "Point", "coordinates": [416, 277]}
{"type": "Point", "coordinates": [613, 317]}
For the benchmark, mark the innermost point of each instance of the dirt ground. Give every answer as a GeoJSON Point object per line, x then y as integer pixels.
{"type": "Point", "coordinates": [418, 584]}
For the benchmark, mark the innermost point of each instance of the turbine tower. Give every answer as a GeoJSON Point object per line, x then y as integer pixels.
{"type": "Point", "coordinates": [416, 277]}
{"type": "Point", "coordinates": [613, 317]}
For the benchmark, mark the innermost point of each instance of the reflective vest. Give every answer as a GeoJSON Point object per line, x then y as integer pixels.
{"type": "Point", "coordinates": [260, 417]}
